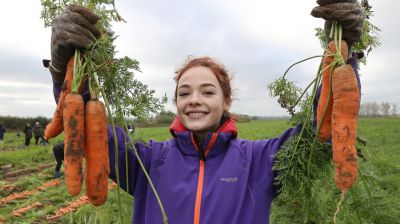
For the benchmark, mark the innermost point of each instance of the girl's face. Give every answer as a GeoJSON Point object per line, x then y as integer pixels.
{"type": "Point", "coordinates": [200, 101]}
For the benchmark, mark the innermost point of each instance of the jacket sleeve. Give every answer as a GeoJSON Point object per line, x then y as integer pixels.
{"type": "Point", "coordinates": [263, 158]}
{"type": "Point", "coordinates": [125, 162]}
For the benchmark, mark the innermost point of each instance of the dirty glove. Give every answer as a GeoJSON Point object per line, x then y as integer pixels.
{"type": "Point", "coordinates": [347, 12]}
{"type": "Point", "coordinates": [73, 28]}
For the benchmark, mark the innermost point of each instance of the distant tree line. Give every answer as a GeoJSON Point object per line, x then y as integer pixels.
{"type": "Point", "coordinates": [18, 123]}
{"type": "Point", "coordinates": [165, 118]}
{"type": "Point", "coordinates": [375, 109]}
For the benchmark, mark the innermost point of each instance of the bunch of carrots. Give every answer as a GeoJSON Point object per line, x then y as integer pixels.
{"type": "Point", "coordinates": [337, 115]}
{"type": "Point", "coordinates": [337, 112]}
{"type": "Point", "coordinates": [85, 130]}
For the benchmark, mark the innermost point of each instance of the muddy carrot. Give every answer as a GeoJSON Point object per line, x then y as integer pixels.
{"type": "Point", "coordinates": [96, 179]}
{"type": "Point", "coordinates": [325, 99]}
{"type": "Point", "coordinates": [345, 108]}
{"type": "Point", "coordinates": [73, 117]}
{"type": "Point", "coordinates": [55, 127]}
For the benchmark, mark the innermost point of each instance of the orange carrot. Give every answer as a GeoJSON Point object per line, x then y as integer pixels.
{"type": "Point", "coordinates": [346, 103]}
{"type": "Point", "coordinates": [74, 141]}
{"type": "Point", "coordinates": [326, 125]}
{"type": "Point", "coordinates": [55, 127]}
{"type": "Point", "coordinates": [96, 179]}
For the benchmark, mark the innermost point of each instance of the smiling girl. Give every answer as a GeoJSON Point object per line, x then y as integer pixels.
{"type": "Point", "coordinates": [204, 173]}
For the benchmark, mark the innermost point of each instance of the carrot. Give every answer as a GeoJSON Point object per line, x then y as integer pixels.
{"type": "Point", "coordinates": [96, 145]}
{"type": "Point", "coordinates": [73, 117]}
{"type": "Point", "coordinates": [325, 99]}
{"type": "Point", "coordinates": [346, 103]}
{"type": "Point", "coordinates": [55, 127]}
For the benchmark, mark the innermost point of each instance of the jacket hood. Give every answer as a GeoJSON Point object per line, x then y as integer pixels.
{"type": "Point", "coordinates": [229, 126]}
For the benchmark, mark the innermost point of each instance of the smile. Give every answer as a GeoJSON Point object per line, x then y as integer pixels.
{"type": "Point", "coordinates": [196, 114]}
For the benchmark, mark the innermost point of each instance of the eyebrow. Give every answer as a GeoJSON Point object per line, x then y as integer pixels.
{"type": "Point", "coordinates": [201, 86]}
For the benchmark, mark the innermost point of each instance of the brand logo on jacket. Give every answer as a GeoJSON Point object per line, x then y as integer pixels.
{"type": "Point", "coordinates": [230, 179]}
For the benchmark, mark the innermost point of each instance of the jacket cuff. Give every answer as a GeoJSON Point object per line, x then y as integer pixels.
{"type": "Point", "coordinates": [57, 75]}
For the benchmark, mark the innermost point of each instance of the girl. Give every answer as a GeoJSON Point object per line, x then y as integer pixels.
{"type": "Point", "coordinates": [204, 173]}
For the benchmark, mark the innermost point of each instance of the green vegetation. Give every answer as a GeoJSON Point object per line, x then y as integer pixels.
{"type": "Point", "coordinates": [14, 152]}
{"type": "Point", "coordinates": [374, 199]}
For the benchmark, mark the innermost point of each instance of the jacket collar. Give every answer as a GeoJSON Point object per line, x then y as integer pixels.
{"type": "Point", "coordinates": [229, 126]}
{"type": "Point", "coordinates": [217, 140]}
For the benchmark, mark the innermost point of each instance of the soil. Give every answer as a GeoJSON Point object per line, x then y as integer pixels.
{"type": "Point", "coordinates": [11, 148]}
{"type": "Point", "coordinates": [11, 177]}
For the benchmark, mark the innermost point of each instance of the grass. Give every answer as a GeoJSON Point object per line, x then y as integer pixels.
{"type": "Point", "coordinates": [380, 173]}
{"type": "Point", "coordinates": [156, 133]}
{"type": "Point", "coordinates": [261, 129]}
{"type": "Point", "coordinates": [382, 135]}
{"type": "Point", "coordinates": [27, 157]}
{"type": "Point", "coordinates": [258, 129]}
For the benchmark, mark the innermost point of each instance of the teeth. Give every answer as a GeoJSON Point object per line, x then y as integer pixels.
{"type": "Point", "coordinates": [196, 114]}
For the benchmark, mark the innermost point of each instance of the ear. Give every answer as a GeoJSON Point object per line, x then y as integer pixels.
{"type": "Point", "coordinates": [227, 105]}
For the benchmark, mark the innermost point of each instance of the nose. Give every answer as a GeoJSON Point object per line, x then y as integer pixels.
{"type": "Point", "coordinates": [195, 99]}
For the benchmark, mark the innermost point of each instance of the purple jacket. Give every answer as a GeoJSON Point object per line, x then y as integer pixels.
{"type": "Point", "coordinates": [233, 184]}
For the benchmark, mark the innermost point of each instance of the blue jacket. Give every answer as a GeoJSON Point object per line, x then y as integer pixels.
{"type": "Point", "coordinates": [234, 184]}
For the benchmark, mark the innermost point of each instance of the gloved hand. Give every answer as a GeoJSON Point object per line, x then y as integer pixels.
{"type": "Point", "coordinates": [72, 29]}
{"type": "Point", "coordinates": [347, 12]}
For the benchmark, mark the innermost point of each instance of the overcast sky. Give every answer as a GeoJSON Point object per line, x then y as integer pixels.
{"type": "Point", "coordinates": [255, 40]}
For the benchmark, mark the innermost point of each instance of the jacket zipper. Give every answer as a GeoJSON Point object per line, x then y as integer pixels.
{"type": "Point", "coordinates": [199, 192]}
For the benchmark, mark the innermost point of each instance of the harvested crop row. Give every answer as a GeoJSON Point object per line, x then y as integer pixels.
{"type": "Point", "coordinates": [21, 211]}
{"type": "Point", "coordinates": [72, 206]}
{"type": "Point", "coordinates": [25, 194]}
{"type": "Point", "coordinates": [27, 171]}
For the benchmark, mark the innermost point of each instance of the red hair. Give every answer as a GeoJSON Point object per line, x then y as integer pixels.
{"type": "Point", "coordinates": [217, 69]}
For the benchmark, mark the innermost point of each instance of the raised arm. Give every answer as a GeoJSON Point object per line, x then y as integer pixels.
{"type": "Point", "coordinates": [124, 164]}
{"type": "Point", "coordinates": [75, 29]}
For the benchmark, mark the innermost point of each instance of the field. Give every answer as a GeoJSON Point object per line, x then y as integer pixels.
{"type": "Point", "coordinates": [28, 194]}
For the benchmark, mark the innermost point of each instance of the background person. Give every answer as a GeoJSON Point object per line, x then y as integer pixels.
{"type": "Point", "coordinates": [2, 130]}
{"type": "Point", "coordinates": [58, 151]}
{"type": "Point", "coordinates": [38, 133]}
{"type": "Point", "coordinates": [28, 134]}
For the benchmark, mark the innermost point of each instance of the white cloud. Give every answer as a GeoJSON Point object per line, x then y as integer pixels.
{"type": "Point", "coordinates": [256, 40]}
{"type": "Point", "coordinates": [23, 31]}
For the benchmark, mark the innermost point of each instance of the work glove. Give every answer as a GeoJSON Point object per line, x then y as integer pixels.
{"type": "Point", "coordinates": [72, 29]}
{"type": "Point", "coordinates": [347, 12]}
